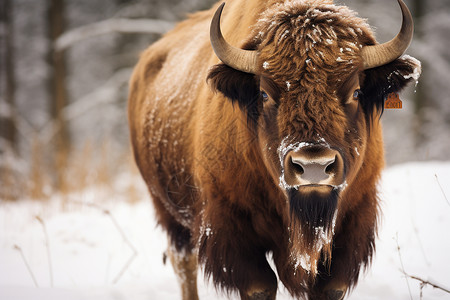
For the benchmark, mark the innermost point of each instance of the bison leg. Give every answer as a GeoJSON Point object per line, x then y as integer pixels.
{"type": "Point", "coordinates": [334, 290]}
{"type": "Point", "coordinates": [263, 282]}
{"type": "Point", "coordinates": [352, 251]}
{"type": "Point", "coordinates": [331, 291]}
{"type": "Point", "coordinates": [259, 293]}
{"type": "Point", "coordinates": [184, 264]}
{"type": "Point", "coordinates": [336, 294]}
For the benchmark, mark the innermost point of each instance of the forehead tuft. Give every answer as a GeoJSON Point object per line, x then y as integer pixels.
{"type": "Point", "coordinates": [305, 37]}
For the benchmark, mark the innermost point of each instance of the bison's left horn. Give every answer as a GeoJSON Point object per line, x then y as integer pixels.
{"type": "Point", "coordinates": [239, 59]}
{"type": "Point", "coordinates": [378, 55]}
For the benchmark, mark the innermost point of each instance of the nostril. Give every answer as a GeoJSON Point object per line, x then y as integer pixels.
{"type": "Point", "coordinates": [331, 168]}
{"type": "Point", "coordinates": [298, 169]}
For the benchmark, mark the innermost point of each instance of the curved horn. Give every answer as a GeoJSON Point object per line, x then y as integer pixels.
{"type": "Point", "coordinates": [378, 55]}
{"type": "Point", "coordinates": [242, 60]}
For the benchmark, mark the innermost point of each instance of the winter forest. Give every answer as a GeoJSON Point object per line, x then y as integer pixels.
{"type": "Point", "coordinates": [76, 220]}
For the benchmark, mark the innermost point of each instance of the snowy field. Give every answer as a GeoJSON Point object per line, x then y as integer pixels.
{"type": "Point", "coordinates": [101, 246]}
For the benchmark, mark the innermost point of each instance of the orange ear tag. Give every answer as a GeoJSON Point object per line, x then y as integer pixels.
{"type": "Point", "coordinates": [393, 102]}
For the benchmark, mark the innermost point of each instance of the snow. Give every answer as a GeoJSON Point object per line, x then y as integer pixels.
{"type": "Point", "coordinates": [92, 237]}
{"type": "Point", "coordinates": [417, 70]}
{"type": "Point", "coordinates": [288, 86]}
{"type": "Point", "coordinates": [284, 35]}
{"type": "Point", "coordinates": [303, 261]}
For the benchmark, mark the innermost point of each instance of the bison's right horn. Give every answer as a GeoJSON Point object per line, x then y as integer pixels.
{"type": "Point", "coordinates": [239, 59]}
{"type": "Point", "coordinates": [379, 55]}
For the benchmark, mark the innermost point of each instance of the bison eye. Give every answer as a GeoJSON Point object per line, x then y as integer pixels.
{"type": "Point", "coordinates": [357, 94]}
{"type": "Point", "coordinates": [264, 96]}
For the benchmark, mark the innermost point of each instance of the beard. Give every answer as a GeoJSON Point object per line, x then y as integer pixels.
{"type": "Point", "coordinates": [313, 215]}
{"type": "Point", "coordinates": [313, 209]}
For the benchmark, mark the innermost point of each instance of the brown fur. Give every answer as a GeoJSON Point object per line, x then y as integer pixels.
{"type": "Point", "coordinates": [210, 159]}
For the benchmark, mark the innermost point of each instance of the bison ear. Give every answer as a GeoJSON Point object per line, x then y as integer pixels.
{"type": "Point", "coordinates": [237, 86]}
{"type": "Point", "coordinates": [390, 78]}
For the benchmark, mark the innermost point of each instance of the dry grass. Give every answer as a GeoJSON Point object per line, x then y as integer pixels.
{"type": "Point", "coordinates": [93, 165]}
{"type": "Point", "coordinates": [38, 181]}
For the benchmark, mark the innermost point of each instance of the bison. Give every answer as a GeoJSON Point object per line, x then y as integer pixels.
{"type": "Point", "coordinates": [265, 143]}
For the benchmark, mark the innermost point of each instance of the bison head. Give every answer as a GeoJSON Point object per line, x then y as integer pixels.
{"type": "Point", "coordinates": [312, 80]}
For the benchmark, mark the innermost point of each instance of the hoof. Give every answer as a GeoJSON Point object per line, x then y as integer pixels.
{"type": "Point", "coordinates": [261, 296]}
{"type": "Point", "coordinates": [335, 294]}
{"type": "Point", "coordinates": [266, 294]}
{"type": "Point", "coordinates": [258, 296]}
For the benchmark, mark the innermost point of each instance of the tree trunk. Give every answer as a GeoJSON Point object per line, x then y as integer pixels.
{"type": "Point", "coordinates": [420, 94]}
{"type": "Point", "coordinates": [58, 91]}
{"type": "Point", "coordinates": [10, 178]}
{"type": "Point", "coordinates": [8, 131]}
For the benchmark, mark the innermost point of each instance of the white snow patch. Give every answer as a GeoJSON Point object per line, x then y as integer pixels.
{"type": "Point", "coordinates": [208, 230]}
{"type": "Point", "coordinates": [415, 217]}
{"type": "Point", "coordinates": [417, 70]}
{"type": "Point", "coordinates": [87, 251]}
{"type": "Point", "coordinates": [284, 35]}
{"type": "Point", "coordinates": [303, 261]}
{"type": "Point", "coordinates": [288, 85]}
{"type": "Point", "coordinates": [341, 187]}
{"type": "Point", "coordinates": [413, 59]}
{"type": "Point", "coordinates": [414, 75]}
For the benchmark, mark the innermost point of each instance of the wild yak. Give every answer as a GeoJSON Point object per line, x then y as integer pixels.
{"type": "Point", "coordinates": [265, 143]}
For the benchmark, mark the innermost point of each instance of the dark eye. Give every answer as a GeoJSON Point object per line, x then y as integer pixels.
{"type": "Point", "coordinates": [357, 94]}
{"type": "Point", "coordinates": [264, 96]}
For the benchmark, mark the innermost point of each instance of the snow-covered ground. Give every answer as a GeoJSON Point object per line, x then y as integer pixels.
{"type": "Point", "coordinates": [102, 246]}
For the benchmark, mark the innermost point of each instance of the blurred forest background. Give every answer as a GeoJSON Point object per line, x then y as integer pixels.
{"type": "Point", "coordinates": [65, 66]}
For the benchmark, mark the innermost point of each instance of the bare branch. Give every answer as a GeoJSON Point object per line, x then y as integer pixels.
{"type": "Point", "coordinates": [442, 190]}
{"type": "Point", "coordinates": [15, 247]}
{"type": "Point", "coordinates": [112, 25]}
{"type": "Point", "coordinates": [50, 269]}
{"type": "Point", "coordinates": [423, 282]}
{"type": "Point", "coordinates": [427, 282]}
{"type": "Point", "coordinates": [403, 267]}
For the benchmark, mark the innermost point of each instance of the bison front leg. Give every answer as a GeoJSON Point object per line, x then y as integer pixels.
{"type": "Point", "coordinates": [329, 285]}
{"type": "Point", "coordinates": [236, 265]}
{"type": "Point", "coordinates": [262, 286]}
{"type": "Point", "coordinates": [352, 251]}
{"type": "Point", "coordinates": [185, 267]}
{"type": "Point", "coordinates": [252, 275]}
